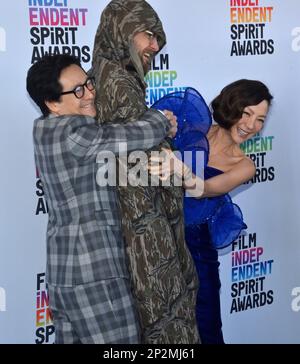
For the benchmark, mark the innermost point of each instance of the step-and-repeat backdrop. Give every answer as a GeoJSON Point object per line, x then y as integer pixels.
{"type": "Point", "coordinates": [210, 44]}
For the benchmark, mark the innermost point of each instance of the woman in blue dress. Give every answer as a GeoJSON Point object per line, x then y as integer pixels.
{"type": "Point", "coordinates": [212, 221]}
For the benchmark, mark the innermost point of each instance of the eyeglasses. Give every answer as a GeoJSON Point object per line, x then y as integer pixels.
{"type": "Point", "coordinates": [151, 36]}
{"type": "Point", "coordinates": [78, 91]}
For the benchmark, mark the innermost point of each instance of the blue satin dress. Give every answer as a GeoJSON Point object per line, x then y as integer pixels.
{"type": "Point", "coordinates": [210, 223]}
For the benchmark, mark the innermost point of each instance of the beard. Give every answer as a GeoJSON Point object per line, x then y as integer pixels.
{"type": "Point", "coordinates": [138, 59]}
{"type": "Point", "coordinates": [146, 61]}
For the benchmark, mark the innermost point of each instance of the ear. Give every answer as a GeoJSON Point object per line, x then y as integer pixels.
{"type": "Point", "coordinates": [53, 106]}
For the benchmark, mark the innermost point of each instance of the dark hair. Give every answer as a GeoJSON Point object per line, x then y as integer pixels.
{"type": "Point", "coordinates": [42, 80]}
{"type": "Point", "coordinates": [227, 108]}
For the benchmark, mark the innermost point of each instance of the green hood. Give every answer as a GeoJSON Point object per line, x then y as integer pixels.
{"type": "Point", "coordinates": [120, 21]}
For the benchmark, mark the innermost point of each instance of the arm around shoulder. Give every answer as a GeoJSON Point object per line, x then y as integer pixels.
{"type": "Point", "coordinates": [151, 128]}
{"type": "Point", "coordinates": [87, 139]}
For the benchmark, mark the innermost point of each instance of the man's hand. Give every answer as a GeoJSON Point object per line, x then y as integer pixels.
{"type": "Point", "coordinates": [173, 121]}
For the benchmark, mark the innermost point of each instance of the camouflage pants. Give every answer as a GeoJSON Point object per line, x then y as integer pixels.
{"type": "Point", "coordinates": [164, 277]}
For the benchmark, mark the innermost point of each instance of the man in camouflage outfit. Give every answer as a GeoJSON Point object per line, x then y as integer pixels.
{"type": "Point", "coordinates": [164, 278]}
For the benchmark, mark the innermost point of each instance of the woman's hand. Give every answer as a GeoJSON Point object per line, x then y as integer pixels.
{"type": "Point", "coordinates": [165, 165]}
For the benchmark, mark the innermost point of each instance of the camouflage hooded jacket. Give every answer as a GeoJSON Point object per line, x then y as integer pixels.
{"type": "Point", "coordinates": [118, 71]}
{"type": "Point", "coordinates": [164, 278]}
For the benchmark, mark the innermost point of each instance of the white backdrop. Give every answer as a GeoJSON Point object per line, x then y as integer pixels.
{"type": "Point", "coordinates": [209, 45]}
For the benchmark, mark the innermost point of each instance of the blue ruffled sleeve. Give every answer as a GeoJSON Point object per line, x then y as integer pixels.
{"type": "Point", "coordinates": [226, 224]}
{"type": "Point", "coordinates": [224, 218]}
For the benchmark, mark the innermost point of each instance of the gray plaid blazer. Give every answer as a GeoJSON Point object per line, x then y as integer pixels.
{"type": "Point", "coordinates": [84, 237]}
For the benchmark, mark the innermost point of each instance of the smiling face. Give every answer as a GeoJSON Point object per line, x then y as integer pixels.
{"type": "Point", "coordinates": [147, 46]}
{"type": "Point", "coordinates": [251, 122]}
{"type": "Point", "coordinates": [69, 104]}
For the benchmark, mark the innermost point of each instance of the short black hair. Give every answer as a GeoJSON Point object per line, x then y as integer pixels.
{"type": "Point", "coordinates": [42, 82]}
{"type": "Point", "coordinates": [227, 108]}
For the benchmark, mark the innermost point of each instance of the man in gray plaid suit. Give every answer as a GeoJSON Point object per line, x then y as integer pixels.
{"type": "Point", "coordinates": [88, 281]}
